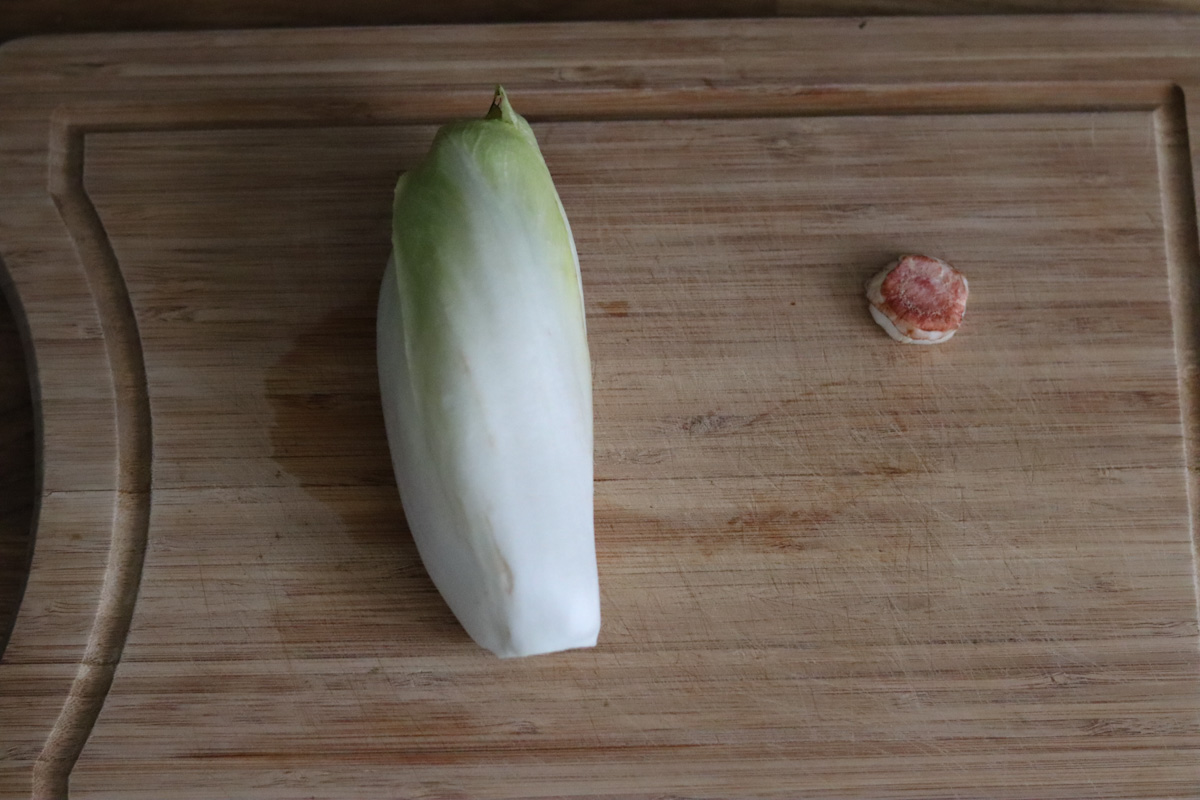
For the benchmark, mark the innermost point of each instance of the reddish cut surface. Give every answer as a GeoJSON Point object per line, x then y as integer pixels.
{"type": "Point", "coordinates": [925, 293]}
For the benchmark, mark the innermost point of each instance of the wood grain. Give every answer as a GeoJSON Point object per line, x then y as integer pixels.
{"type": "Point", "coordinates": [34, 17]}
{"type": "Point", "coordinates": [26, 17]}
{"type": "Point", "coordinates": [832, 566]}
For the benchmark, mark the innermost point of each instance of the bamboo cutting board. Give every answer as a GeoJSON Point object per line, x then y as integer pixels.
{"type": "Point", "coordinates": [832, 566]}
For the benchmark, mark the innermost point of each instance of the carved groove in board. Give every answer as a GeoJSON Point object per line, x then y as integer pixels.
{"type": "Point", "coordinates": [131, 508]}
{"type": "Point", "coordinates": [407, 107]}
{"type": "Point", "coordinates": [1175, 170]}
{"type": "Point", "coordinates": [123, 343]}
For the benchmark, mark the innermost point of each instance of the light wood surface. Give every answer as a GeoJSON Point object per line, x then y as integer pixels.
{"type": "Point", "coordinates": [36, 17]}
{"type": "Point", "coordinates": [832, 566]}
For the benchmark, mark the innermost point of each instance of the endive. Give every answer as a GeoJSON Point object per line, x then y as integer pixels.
{"type": "Point", "coordinates": [486, 387]}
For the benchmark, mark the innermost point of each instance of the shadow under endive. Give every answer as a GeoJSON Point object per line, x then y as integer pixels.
{"type": "Point", "coordinates": [328, 434]}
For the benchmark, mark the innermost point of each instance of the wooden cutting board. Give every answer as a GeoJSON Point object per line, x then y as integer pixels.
{"type": "Point", "coordinates": [832, 566]}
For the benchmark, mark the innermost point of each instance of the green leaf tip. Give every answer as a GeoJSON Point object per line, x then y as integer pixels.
{"type": "Point", "coordinates": [502, 111]}
{"type": "Point", "coordinates": [500, 106]}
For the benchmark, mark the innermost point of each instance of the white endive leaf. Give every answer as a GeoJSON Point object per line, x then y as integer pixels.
{"type": "Point", "coordinates": [486, 388]}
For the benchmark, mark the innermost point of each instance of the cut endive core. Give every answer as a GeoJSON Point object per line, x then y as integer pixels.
{"type": "Point", "coordinates": [486, 386]}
